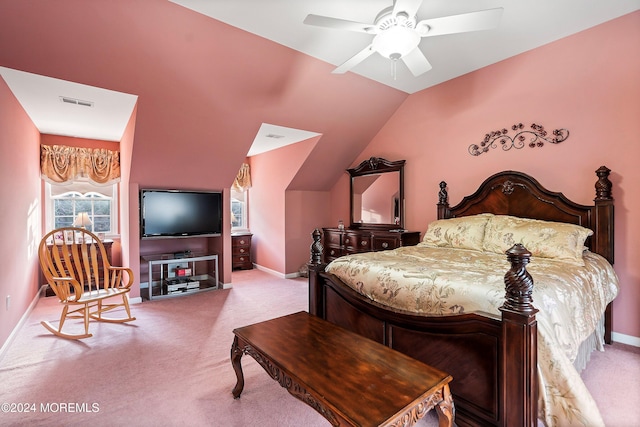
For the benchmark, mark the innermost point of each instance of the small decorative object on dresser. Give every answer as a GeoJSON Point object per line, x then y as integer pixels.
{"type": "Point", "coordinates": [241, 250]}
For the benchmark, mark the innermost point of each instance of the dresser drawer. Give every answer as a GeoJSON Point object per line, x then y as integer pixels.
{"type": "Point", "coordinates": [385, 243]}
{"type": "Point", "coordinates": [332, 238]}
{"type": "Point", "coordinates": [357, 242]}
{"type": "Point", "coordinates": [332, 252]}
{"type": "Point", "coordinates": [338, 242]}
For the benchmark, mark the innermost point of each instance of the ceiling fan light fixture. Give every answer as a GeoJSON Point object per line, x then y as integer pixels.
{"type": "Point", "coordinates": [402, 18]}
{"type": "Point", "coordinates": [396, 42]}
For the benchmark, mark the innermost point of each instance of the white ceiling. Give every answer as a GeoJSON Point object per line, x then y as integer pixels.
{"type": "Point", "coordinates": [525, 25]}
{"type": "Point", "coordinates": [270, 137]}
{"type": "Point", "coordinates": [41, 97]}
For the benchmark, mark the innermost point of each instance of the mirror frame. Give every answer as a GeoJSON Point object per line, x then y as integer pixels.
{"type": "Point", "coordinates": [378, 165]}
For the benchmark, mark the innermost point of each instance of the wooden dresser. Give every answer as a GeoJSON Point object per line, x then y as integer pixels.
{"type": "Point", "coordinates": [338, 242]}
{"type": "Point", "coordinates": [241, 251]}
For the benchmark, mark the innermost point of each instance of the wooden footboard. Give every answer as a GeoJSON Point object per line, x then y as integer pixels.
{"type": "Point", "coordinates": [492, 360]}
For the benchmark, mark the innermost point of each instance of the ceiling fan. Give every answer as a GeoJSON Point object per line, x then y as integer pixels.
{"type": "Point", "coordinates": [397, 32]}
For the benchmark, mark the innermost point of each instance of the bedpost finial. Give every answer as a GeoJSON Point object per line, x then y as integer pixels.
{"type": "Point", "coordinates": [316, 247]}
{"type": "Point", "coordinates": [443, 196]}
{"type": "Point", "coordinates": [603, 185]}
{"type": "Point", "coordinates": [518, 281]}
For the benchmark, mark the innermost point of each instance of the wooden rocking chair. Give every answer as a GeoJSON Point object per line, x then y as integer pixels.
{"type": "Point", "coordinates": [75, 265]}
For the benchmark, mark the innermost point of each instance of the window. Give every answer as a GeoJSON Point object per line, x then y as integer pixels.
{"type": "Point", "coordinates": [65, 201]}
{"type": "Point", "coordinates": [239, 210]}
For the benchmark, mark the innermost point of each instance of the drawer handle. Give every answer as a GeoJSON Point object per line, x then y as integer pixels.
{"type": "Point", "coordinates": [363, 243]}
{"type": "Point", "coordinates": [241, 250]}
{"type": "Point", "coordinates": [332, 252]}
{"type": "Point", "coordinates": [346, 241]}
{"type": "Point", "coordinates": [385, 245]}
{"type": "Point", "coordinates": [242, 242]}
{"type": "Point", "coordinates": [241, 258]}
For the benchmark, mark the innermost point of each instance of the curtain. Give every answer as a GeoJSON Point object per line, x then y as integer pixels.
{"type": "Point", "coordinates": [59, 163]}
{"type": "Point", "coordinates": [243, 180]}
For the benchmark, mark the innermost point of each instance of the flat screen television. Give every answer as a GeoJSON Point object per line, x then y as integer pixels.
{"type": "Point", "coordinates": [180, 213]}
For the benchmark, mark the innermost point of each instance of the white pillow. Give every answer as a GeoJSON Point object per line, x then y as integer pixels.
{"type": "Point", "coordinates": [465, 232]}
{"type": "Point", "coordinates": [545, 239]}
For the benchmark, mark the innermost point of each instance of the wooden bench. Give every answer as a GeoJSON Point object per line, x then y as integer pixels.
{"type": "Point", "coordinates": [348, 379]}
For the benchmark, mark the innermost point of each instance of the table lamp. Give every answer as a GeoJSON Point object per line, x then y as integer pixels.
{"type": "Point", "coordinates": [82, 221]}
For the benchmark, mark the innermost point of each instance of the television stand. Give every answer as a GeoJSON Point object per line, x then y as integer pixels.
{"type": "Point", "coordinates": [180, 273]}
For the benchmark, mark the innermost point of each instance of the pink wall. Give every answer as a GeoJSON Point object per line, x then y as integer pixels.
{"type": "Point", "coordinates": [126, 241]}
{"type": "Point", "coordinates": [46, 139]}
{"type": "Point", "coordinates": [20, 227]}
{"type": "Point", "coordinates": [305, 211]}
{"type": "Point", "coordinates": [278, 220]}
{"type": "Point", "coordinates": [588, 83]}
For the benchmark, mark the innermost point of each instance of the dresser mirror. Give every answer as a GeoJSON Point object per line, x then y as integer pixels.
{"type": "Point", "coordinates": [377, 194]}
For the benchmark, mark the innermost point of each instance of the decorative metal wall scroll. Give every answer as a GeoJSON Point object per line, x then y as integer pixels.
{"type": "Point", "coordinates": [534, 137]}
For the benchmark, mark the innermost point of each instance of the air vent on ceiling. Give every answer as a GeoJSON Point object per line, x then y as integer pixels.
{"type": "Point", "coordinates": [274, 136]}
{"type": "Point", "coordinates": [75, 101]}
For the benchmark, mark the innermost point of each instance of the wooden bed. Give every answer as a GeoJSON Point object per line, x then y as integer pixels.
{"type": "Point", "coordinates": [493, 359]}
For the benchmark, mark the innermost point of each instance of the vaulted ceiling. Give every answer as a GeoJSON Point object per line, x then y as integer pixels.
{"type": "Point", "coordinates": [208, 75]}
{"type": "Point", "coordinates": [524, 25]}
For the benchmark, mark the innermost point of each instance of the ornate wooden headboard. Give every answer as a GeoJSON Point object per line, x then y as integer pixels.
{"type": "Point", "coordinates": [518, 194]}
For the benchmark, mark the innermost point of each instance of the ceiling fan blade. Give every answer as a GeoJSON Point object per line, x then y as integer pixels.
{"type": "Point", "coordinates": [339, 24]}
{"type": "Point", "coordinates": [409, 6]}
{"type": "Point", "coordinates": [466, 22]}
{"type": "Point", "coordinates": [354, 60]}
{"type": "Point", "coordinates": [416, 62]}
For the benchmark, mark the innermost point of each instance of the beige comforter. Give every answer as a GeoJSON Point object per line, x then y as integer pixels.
{"type": "Point", "coordinates": [445, 281]}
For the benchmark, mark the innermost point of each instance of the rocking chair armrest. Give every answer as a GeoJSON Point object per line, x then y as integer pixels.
{"type": "Point", "coordinates": [129, 275]}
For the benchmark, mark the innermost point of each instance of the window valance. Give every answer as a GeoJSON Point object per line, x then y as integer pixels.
{"type": "Point", "coordinates": [243, 179]}
{"type": "Point", "coordinates": [59, 163]}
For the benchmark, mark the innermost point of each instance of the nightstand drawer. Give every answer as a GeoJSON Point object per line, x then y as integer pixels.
{"type": "Point", "coordinates": [242, 250]}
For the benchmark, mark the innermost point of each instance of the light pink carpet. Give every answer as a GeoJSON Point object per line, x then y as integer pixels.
{"type": "Point", "coordinates": [171, 367]}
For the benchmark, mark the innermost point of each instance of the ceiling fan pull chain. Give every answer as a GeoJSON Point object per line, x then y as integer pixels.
{"type": "Point", "coordinates": [393, 68]}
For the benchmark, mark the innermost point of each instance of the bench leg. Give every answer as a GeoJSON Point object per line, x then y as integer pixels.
{"type": "Point", "coordinates": [445, 409]}
{"type": "Point", "coordinates": [236, 355]}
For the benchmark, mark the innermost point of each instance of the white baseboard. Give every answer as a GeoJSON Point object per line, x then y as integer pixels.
{"type": "Point", "coordinates": [625, 339]}
{"type": "Point", "coordinates": [135, 300]}
{"type": "Point", "coordinates": [292, 275]}
{"type": "Point", "coordinates": [23, 319]}
{"type": "Point", "coordinates": [277, 273]}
